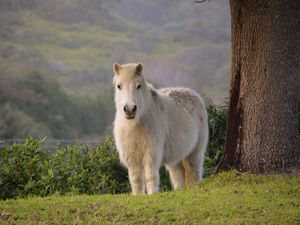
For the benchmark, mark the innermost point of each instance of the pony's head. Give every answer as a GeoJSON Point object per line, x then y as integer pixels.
{"type": "Point", "coordinates": [131, 90]}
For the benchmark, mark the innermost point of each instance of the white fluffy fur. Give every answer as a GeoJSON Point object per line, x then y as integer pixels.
{"type": "Point", "coordinates": [170, 128]}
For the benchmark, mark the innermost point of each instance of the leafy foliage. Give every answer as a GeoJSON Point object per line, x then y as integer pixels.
{"type": "Point", "coordinates": [21, 169]}
{"type": "Point", "coordinates": [217, 119]}
{"type": "Point", "coordinates": [27, 169]}
{"type": "Point", "coordinates": [79, 169]}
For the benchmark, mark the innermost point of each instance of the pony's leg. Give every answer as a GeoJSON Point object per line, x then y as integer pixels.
{"type": "Point", "coordinates": [136, 180]}
{"type": "Point", "coordinates": [152, 178]}
{"type": "Point", "coordinates": [177, 175]}
{"type": "Point", "coordinates": [193, 164]}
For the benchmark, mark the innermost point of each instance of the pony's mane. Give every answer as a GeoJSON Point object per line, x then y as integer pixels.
{"type": "Point", "coordinates": [152, 89]}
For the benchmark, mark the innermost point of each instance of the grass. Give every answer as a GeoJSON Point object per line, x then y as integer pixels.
{"type": "Point", "coordinates": [228, 198]}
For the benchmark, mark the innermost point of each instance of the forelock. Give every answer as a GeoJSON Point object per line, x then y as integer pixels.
{"type": "Point", "coordinates": [127, 71]}
{"type": "Point", "coordinates": [129, 68]}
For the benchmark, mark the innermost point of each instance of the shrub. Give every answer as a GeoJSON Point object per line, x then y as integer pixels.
{"type": "Point", "coordinates": [217, 120]}
{"type": "Point", "coordinates": [21, 169]}
{"type": "Point", "coordinates": [79, 169]}
{"type": "Point", "coordinates": [26, 169]}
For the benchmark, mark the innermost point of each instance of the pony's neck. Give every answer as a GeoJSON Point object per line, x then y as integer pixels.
{"type": "Point", "coordinates": [153, 102]}
{"type": "Point", "coordinates": [152, 94]}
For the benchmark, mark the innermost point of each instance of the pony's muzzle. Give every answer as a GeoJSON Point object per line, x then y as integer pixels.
{"type": "Point", "coordinates": [130, 111]}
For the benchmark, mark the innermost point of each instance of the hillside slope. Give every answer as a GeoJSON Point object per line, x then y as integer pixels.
{"type": "Point", "coordinates": [228, 198]}
{"type": "Point", "coordinates": [74, 44]}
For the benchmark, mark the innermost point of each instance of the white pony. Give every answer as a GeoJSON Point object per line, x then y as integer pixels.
{"type": "Point", "coordinates": [153, 127]}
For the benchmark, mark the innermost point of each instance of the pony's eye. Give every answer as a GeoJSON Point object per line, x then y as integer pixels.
{"type": "Point", "coordinates": [119, 86]}
{"type": "Point", "coordinates": [138, 87]}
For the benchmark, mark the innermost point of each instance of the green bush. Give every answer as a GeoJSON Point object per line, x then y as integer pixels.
{"type": "Point", "coordinates": [26, 169]}
{"type": "Point", "coordinates": [217, 120]}
{"type": "Point", "coordinates": [21, 169]}
{"type": "Point", "coordinates": [79, 169]}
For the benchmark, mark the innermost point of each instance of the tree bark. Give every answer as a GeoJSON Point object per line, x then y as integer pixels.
{"type": "Point", "coordinates": [263, 134]}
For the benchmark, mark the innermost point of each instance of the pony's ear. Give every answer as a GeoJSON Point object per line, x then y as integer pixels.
{"type": "Point", "coordinates": [116, 68]}
{"type": "Point", "coordinates": [139, 68]}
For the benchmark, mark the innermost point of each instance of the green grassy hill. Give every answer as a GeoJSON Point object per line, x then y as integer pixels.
{"type": "Point", "coordinates": [77, 41]}
{"type": "Point", "coordinates": [74, 44]}
{"type": "Point", "coordinates": [228, 198]}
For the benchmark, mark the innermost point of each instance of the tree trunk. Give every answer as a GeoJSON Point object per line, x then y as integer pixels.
{"type": "Point", "coordinates": [263, 134]}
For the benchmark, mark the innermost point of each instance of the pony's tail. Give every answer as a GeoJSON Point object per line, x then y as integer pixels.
{"type": "Point", "coordinates": [193, 164]}
{"type": "Point", "coordinates": [190, 176]}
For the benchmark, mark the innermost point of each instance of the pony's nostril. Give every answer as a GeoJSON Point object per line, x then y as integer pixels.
{"type": "Point", "coordinates": [134, 108]}
{"type": "Point", "coordinates": [125, 108]}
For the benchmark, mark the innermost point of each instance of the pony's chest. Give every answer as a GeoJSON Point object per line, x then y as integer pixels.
{"type": "Point", "coordinates": [133, 144]}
